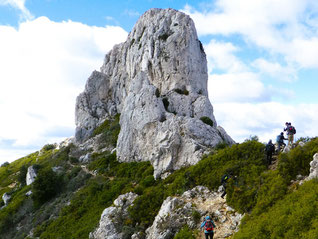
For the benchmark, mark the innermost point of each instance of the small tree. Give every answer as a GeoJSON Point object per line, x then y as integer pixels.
{"type": "Point", "coordinates": [5, 164]}
{"type": "Point", "coordinates": [22, 175]}
{"type": "Point", "coordinates": [45, 186]}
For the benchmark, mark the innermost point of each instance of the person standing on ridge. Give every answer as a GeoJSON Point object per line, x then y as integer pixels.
{"type": "Point", "coordinates": [291, 131]}
{"type": "Point", "coordinates": [280, 141]}
{"type": "Point", "coordinates": [270, 149]}
{"type": "Point", "coordinates": [209, 226]}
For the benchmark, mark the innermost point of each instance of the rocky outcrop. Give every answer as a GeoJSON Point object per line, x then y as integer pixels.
{"type": "Point", "coordinates": [190, 209]}
{"type": "Point", "coordinates": [6, 198]}
{"type": "Point", "coordinates": [111, 219]}
{"type": "Point", "coordinates": [31, 175]}
{"type": "Point", "coordinates": [313, 168]}
{"type": "Point", "coordinates": [157, 81]}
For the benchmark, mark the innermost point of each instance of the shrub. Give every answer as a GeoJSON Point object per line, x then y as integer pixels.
{"type": "Point", "coordinates": [5, 164]}
{"type": "Point", "coordinates": [48, 147]}
{"type": "Point", "coordinates": [22, 174]}
{"type": "Point", "coordinates": [185, 233]}
{"type": "Point", "coordinates": [207, 120]}
{"type": "Point", "coordinates": [297, 161]}
{"type": "Point", "coordinates": [45, 186]}
{"type": "Point", "coordinates": [182, 92]}
{"type": "Point", "coordinates": [109, 130]}
{"type": "Point", "coordinates": [293, 216]}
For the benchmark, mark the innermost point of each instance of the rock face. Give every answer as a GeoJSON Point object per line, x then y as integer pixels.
{"type": "Point", "coordinates": [313, 168]}
{"type": "Point", "coordinates": [177, 212]}
{"type": "Point", "coordinates": [6, 198]}
{"type": "Point", "coordinates": [31, 175]}
{"type": "Point", "coordinates": [157, 81]}
{"type": "Point", "coordinates": [110, 221]}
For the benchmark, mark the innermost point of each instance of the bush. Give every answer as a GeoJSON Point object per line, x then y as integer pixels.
{"type": "Point", "coordinates": [185, 233]}
{"type": "Point", "coordinates": [207, 120]}
{"type": "Point", "coordinates": [109, 130]}
{"type": "Point", "coordinates": [5, 164]}
{"type": "Point", "coordinates": [45, 186]}
{"type": "Point", "coordinates": [22, 174]}
{"type": "Point", "coordinates": [297, 161]}
{"type": "Point", "coordinates": [48, 147]}
{"type": "Point", "coordinates": [293, 216]}
{"type": "Point", "coordinates": [182, 92]}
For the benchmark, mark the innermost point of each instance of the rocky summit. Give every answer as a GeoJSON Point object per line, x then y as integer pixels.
{"type": "Point", "coordinates": [157, 81]}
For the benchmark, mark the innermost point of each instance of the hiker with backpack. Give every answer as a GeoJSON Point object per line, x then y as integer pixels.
{"type": "Point", "coordinates": [291, 131]}
{"type": "Point", "coordinates": [280, 141]}
{"type": "Point", "coordinates": [208, 226]}
{"type": "Point", "coordinates": [270, 149]}
{"type": "Point", "coordinates": [224, 180]}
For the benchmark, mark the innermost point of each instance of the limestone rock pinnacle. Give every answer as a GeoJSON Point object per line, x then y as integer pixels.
{"type": "Point", "coordinates": [157, 81]}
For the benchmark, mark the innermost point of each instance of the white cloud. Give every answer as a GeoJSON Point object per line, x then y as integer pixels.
{"type": "Point", "coordinates": [221, 56]}
{"type": "Point", "coordinates": [44, 66]}
{"type": "Point", "coordinates": [266, 120]}
{"type": "Point", "coordinates": [237, 87]}
{"type": "Point", "coordinates": [20, 5]}
{"type": "Point", "coordinates": [285, 27]}
{"type": "Point", "coordinates": [276, 70]}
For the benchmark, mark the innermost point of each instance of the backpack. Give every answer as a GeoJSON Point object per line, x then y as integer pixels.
{"type": "Point", "coordinates": [278, 139]}
{"type": "Point", "coordinates": [208, 226]}
{"type": "Point", "coordinates": [270, 148]}
{"type": "Point", "coordinates": [291, 129]}
{"type": "Point", "coordinates": [224, 178]}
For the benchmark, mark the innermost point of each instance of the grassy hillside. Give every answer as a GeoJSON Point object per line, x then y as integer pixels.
{"type": "Point", "coordinates": [68, 202]}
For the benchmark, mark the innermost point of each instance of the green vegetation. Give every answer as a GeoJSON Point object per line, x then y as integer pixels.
{"type": "Point", "coordinates": [46, 185]}
{"type": "Point", "coordinates": [185, 233]}
{"type": "Point", "coordinates": [207, 120]}
{"type": "Point", "coordinates": [182, 92]}
{"type": "Point", "coordinates": [68, 203]}
{"type": "Point", "coordinates": [81, 217]}
{"type": "Point", "coordinates": [109, 131]}
{"type": "Point", "coordinates": [293, 216]}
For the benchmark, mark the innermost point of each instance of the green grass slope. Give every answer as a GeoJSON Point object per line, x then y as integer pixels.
{"type": "Point", "coordinates": [68, 203]}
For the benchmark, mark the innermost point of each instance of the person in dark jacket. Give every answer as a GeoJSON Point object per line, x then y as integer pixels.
{"type": "Point", "coordinates": [208, 226]}
{"type": "Point", "coordinates": [224, 180]}
{"type": "Point", "coordinates": [280, 141]}
{"type": "Point", "coordinates": [270, 149]}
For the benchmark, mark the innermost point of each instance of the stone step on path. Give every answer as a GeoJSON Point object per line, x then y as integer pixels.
{"type": "Point", "coordinates": [274, 164]}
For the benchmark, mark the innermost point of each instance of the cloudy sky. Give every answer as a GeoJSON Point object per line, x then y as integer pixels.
{"type": "Point", "coordinates": [262, 60]}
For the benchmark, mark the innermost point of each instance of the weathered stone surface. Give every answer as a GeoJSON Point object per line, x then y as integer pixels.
{"type": "Point", "coordinates": [6, 198]}
{"type": "Point", "coordinates": [176, 212]}
{"type": "Point", "coordinates": [313, 168]}
{"type": "Point", "coordinates": [85, 158]}
{"type": "Point", "coordinates": [31, 175]}
{"type": "Point", "coordinates": [157, 81]}
{"type": "Point", "coordinates": [111, 219]}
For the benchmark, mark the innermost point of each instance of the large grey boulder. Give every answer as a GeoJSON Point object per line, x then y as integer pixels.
{"type": "Point", "coordinates": [31, 175]}
{"type": "Point", "coordinates": [313, 168]}
{"type": "Point", "coordinates": [177, 212]}
{"type": "Point", "coordinates": [111, 219]}
{"type": "Point", "coordinates": [157, 81]}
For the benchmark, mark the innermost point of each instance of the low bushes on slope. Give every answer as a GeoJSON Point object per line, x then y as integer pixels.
{"type": "Point", "coordinates": [82, 216]}
{"type": "Point", "coordinates": [281, 211]}
{"type": "Point", "coordinates": [293, 216]}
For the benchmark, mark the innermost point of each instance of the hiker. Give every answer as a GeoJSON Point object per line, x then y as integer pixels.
{"type": "Point", "coordinates": [224, 180]}
{"type": "Point", "coordinates": [270, 149]}
{"type": "Point", "coordinates": [280, 141]}
{"type": "Point", "coordinates": [290, 133]}
{"type": "Point", "coordinates": [208, 225]}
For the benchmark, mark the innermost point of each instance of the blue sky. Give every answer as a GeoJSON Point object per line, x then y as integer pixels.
{"type": "Point", "coordinates": [262, 61]}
